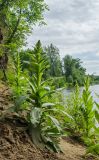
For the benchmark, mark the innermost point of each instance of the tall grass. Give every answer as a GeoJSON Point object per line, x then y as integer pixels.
{"type": "Point", "coordinates": [84, 114]}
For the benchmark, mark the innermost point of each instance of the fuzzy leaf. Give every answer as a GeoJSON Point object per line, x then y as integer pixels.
{"type": "Point", "coordinates": [56, 122]}
{"type": "Point", "coordinates": [35, 115]}
{"type": "Point", "coordinates": [48, 104]}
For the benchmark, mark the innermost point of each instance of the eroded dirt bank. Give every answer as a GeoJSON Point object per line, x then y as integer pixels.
{"type": "Point", "coordinates": [15, 143]}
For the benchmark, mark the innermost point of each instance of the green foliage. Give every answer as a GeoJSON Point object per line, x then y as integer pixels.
{"type": "Point", "coordinates": [42, 115]}
{"type": "Point", "coordinates": [90, 130]}
{"type": "Point", "coordinates": [73, 70]}
{"type": "Point", "coordinates": [25, 57]}
{"type": "Point", "coordinates": [94, 148]}
{"type": "Point", "coordinates": [94, 79]}
{"type": "Point", "coordinates": [85, 117]}
{"type": "Point", "coordinates": [97, 112]}
{"type": "Point", "coordinates": [18, 74]}
{"type": "Point", "coordinates": [18, 83]}
{"type": "Point", "coordinates": [18, 17]}
{"type": "Point", "coordinates": [43, 107]}
{"type": "Point", "coordinates": [55, 69]}
{"type": "Point", "coordinates": [87, 109]}
{"type": "Point", "coordinates": [57, 82]}
{"type": "Point", "coordinates": [74, 103]}
{"type": "Point", "coordinates": [18, 77]}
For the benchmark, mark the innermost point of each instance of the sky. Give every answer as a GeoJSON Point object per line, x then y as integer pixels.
{"type": "Point", "coordinates": [73, 27]}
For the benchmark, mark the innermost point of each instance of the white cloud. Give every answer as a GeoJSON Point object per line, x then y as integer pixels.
{"type": "Point", "coordinates": [73, 26]}
{"type": "Point", "coordinates": [97, 53]}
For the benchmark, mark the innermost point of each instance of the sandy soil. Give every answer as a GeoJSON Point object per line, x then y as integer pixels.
{"type": "Point", "coordinates": [72, 151]}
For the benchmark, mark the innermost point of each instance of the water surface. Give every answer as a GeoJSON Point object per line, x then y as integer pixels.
{"type": "Point", "coordinates": [94, 91]}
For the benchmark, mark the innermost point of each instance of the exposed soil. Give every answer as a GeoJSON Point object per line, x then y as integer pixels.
{"type": "Point", "coordinates": [15, 143]}
{"type": "Point", "coordinates": [72, 151]}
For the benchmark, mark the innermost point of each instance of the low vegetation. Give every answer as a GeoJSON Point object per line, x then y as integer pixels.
{"type": "Point", "coordinates": [35, 77]}
{"type": "Point", "coordinates": [32, 95]}
{"type": "Point", "coordinates": [85, 113]}
{"type": "Point", "coordinates": [48, 118]}
{"type": "Point", "coordinates": [65, 72]}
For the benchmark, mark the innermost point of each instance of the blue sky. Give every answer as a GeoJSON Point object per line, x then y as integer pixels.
{"type": "Point", "coordinates": [73, 26]}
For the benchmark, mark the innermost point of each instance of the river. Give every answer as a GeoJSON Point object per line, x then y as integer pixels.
{"type": "Point", "coordinates": [94, 90]}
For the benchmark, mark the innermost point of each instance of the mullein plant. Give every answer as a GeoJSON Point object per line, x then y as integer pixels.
{"type": "Point", "coordinates": [77, 116]}
{"type": "Point", "coordinates": [31, 96]}
{"type": "Point", "coordinates": [73, 107]}
{"type": "Point", "coordinates": [94, 147]}
{"type": "Point", "coordinates": [87, 109]}
{"type": "Point", "coordinates": [18, 83]}
{"type": "Point", "coordinates": [90, 116]}
{"type": "Point", "coordinates": [97, 113]}
{"type": "Point", "coordinates": [85, 117]}
{"type": "Point", "coordinates": [44, 127]}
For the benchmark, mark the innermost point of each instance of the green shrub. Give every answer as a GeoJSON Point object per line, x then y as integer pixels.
{"type": "Point", "coordinates": [58, 82]}
{"type": "Point", "coordinates": [18, 83]}
{"type": "Point", "coordinates": [81, 107]}
{"type": "Point", "coordinates": [73, 106]}
{"type": "Point", "coordinates": [88, 110]}
{"type": "Point", "coordinates": [44, 117]}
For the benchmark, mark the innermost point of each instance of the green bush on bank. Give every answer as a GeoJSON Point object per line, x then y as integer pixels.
{"type": "Point", "coordinates": [43, 115]}
{"type": "Point", "coordinates": [46, 115]}
{"type": "Point", "coordinates": [81, 107]}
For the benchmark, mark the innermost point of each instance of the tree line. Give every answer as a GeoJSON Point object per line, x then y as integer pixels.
{"type": "Point", "coordinates": [70, 68]}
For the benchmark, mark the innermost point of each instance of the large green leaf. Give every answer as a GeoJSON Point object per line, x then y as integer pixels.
{"type": "Point", "coordinates": [51, 131]}
{"type": "Point", "coordinates": [48, 105]}
{"type": "Point", "coordinates": [67, 115]}
{"type": "Point", "coordinates": [19, 101]}
{"type": "Point", "coordinates": [97, 116]}
{"type": "Point", "coordinates": [55, 122]}
{"type": "Point", "coordinates": [35, 116]}
{"type": "Point", "coordinates": [97, 105]}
